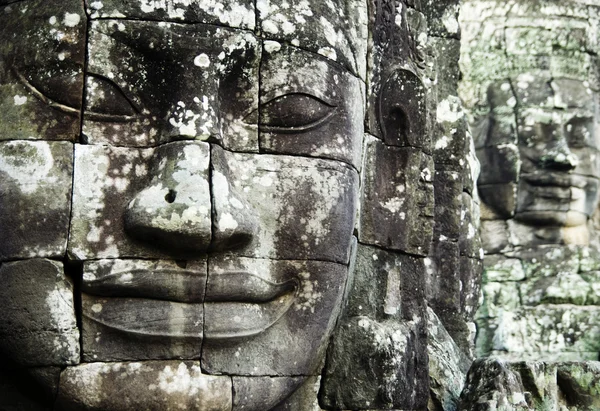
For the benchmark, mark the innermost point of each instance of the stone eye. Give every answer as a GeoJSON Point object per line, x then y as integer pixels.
{"type": "Point", "coordinates": [578, 133]}
{"type": "Point", "coordinates": [294, 112]}
{"type": "Point", "coordinates": [106, 100]}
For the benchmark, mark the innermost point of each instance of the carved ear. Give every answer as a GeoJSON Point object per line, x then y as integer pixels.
{"type": "Point", "coordinates": [402, 109]}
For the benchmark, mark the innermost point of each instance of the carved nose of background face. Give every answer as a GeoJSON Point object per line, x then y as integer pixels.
{"type": "Point", "coordinates": [173, 212]}
{"type": "Point", "coordinates": [559, 158]}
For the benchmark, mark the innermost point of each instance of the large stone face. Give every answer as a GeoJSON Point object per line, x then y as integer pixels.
{"type": "Point", "coordinates": [215, 183]}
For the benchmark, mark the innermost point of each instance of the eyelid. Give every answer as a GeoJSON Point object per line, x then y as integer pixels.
{"type": "Point", "coordinates": [96, 116]}
{"type": "Point", "coordinates": [43, 98]}
{"type": "Point", "coordinates": [331, 109]}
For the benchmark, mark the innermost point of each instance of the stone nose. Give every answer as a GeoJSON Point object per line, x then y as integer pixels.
{"type": "Point", "coordinates": [559, 157]}
{"type": "Point", "coordinates": [173, 212]}
{"type": "Point", "coordinates": [235, 223]}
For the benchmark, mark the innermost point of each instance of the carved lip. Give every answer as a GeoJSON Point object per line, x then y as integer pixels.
{"type": "Point", "coordinates": [162, 284]}
{"type": "Point", "coordinates": [237, 305]}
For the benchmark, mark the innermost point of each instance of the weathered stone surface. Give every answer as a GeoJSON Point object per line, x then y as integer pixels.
{"type": "Point", "coordinates": [166, 385]}
{"type": "Point", "coordinates": [379, 380]}
{"type": "Point", "coordinates": [336, 29]}
{"type": "Point", "coordinates": [290, 208]}
{"type": "Point", "coordinates": [38, 325]}
{"type": "Point", "coordinates": [239, 14]}
{"type": "Point", "coordinates": [200, 82]}
{"type": "Point", "coordinates": [35, 198]}
{"type": "Point", "coordinates": [158, 279]}
{"type": "Point", "coordinates": [498, 385]}
{"type": "Point", "coordinates": [448, 188]}
{"type": "Point", "coordinates": [259, 314]}
{"type": "Point", "coordinates": [395, 181]}
{"type": "Point", "coordinates": [385, 316]}
{"type": "Point", "coordinates": [309, 106]}
{"type": "Point", "coordinates": [16, 385]}
{"type": "Point", "coordinates": [553, 332]}
{"type": "Point", "coordinates": [41, 87]}
{"type": "Point", "coordinates": [263, 393]}
{"type": "Point", "coordinates": [116, 329]}
{"type": "Point", "coordinates": [448, 366]}
{"type": "Point", "coordinates": [160, 196]}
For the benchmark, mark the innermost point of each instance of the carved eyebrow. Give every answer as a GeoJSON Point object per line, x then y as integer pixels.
{"type": "Point", "coordinates": [43, 98]}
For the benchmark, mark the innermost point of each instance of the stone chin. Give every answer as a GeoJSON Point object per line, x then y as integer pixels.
{"type": "Point", "coordinates": [167, 385]}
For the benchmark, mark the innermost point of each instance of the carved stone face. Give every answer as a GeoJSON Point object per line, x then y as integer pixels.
{"type": "Point", "coordinates": [555, 165]}
{"type": "Point", "coordinates": [214, 191]}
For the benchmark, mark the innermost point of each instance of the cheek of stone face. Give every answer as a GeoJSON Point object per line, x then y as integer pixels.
{"type": "Point", "coordinates": [303, 208]}
{"type": "Point", "coordinates": [34, 198]}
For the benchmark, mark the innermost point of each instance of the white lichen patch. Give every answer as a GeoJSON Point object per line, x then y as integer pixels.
{"type": "Point", "coordinates": [71, 19]}
{"type": "Point", "coordinates": [20, 100]}
{"type": "Point", "coordinates": [28, 164]}
{"type": "Point", "coordinates": [449, 110]}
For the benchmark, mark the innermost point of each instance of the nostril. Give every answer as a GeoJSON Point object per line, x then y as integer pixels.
{"type": "Point", "coordinates": [170, 196]}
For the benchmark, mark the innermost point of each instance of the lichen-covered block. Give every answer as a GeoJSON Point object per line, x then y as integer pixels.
{"type": "Point", "coordinates": [283, 207]}
{"type": "Point", "coordinates": [142, 309]}
{"type": "Point", "coordinates": [159, 195]}
{"type": "Point", "coordinates": [35, 198]}
{"type": "Point", "coordinates": [527, 386]}
{"type": "Point", "coordinates": [335, 29]}
{"type": "Point", "coordinates": [309, 106]}
{"type": "Point", "coordinates": [262, 316]}
{"type": "Point", "coordinates": [385, 316]}
{"type": "Point", "coordinates": [166, 385]}
{"type": "Point", "coordinates": [41, 86]}
{"type": "Point", "coordinates": [397, 198]}
{"type": "Point", "coordinates": [239, 14]}
{"type": "Point", "coordinates": [199, 82]}
{"type": "Point", "coordinates": [38, 327]}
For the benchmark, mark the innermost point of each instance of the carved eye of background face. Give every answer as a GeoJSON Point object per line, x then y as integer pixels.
{"type": "Point", "coordinates": [294, 112]}
{"type": "Point", "coordinates": [105, 98]}
{"type": "Point", "coordinates": [579, 133]}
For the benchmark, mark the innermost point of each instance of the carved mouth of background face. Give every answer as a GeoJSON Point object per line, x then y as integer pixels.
{"type": "Point", "coordinates": [236, 305]}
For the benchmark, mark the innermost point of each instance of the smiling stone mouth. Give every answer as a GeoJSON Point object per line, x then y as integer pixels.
{"type": "Point", "coordinates": [167, 301]}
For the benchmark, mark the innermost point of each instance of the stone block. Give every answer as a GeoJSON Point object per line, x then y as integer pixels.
{"type": "Point", "coordinates": [396, 181]}
{"type": "Point", "coordinates": [167, 386]}
{"type": "Point", "coordinates": [499, 268]}
{"type": "Point", "coordinates": [191, 87]}
{"type": "Point", "coordinates": [263, 316]}
{"type": "Point", "coordinates": [283, 207]}
{"type": "Point", "coordinates": [237, 14]}
{"type": "Point", "coordinates": [38, 327]}
{"type": "Point", "coordinates": [448, 365]}
{"type": "Point", "coordinates": [131, 202]}
{"type": "Point", "coordinates": [35, 198]}
{"type": "Point", "coordinates": [393, 375]}
{"type": "Point", "coordinates": [494, 236]}
{"type": "Point", "coordinates": [499, 165]}
{"type": "Point", "coordinates": [499, 298]}
{"type": "Point", "coordinates": [448, 189]}
{"type": "Point", "coordinates": [544, 331]}
{"type": "Point", "coordinates": [309, 106]}
{"type": "Point", "coordinates": [340, 24]}
{"type": "Point", "coordinates": [116, 329]}
{"type": "Point", "coordinates": [42, 56]}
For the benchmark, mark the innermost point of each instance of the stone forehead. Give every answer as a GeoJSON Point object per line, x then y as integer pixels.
{"type": "Point", "coordinates": [336, 29]}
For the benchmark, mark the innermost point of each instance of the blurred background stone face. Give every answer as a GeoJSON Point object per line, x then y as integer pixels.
{"type": "Point", "coordinates": [531, 88]}
{"type": "Point", "coordinates": [235, 206]}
